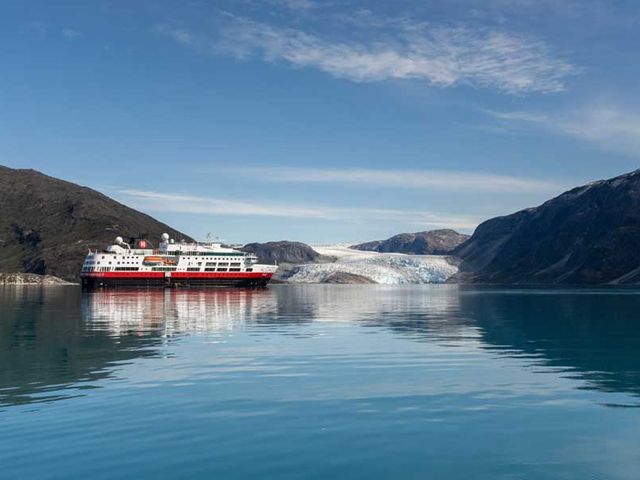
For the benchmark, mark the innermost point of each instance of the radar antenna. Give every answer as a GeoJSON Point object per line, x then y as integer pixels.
{"type": "Point", "coordinates": [211, 238]}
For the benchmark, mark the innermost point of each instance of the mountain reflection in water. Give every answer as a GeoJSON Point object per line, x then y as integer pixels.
{"type": "Point", "coordinates": [55, 342]}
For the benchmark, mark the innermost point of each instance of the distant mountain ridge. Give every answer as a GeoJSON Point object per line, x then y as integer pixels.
{"type": "Point", "coordinates": [283, 252]}
{"type": "Point", "coordinates": [433, 242]}
{"type": "Point", "coordinates": [47, 225]}
{"type": "Point", "coordinates": [587, 235]}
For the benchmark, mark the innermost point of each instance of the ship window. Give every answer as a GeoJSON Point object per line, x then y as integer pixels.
{"type": "Point", "coordinates": [249, 270]}
{"type": "Point", "coordinates": [209, 269]}
{"type": "Point", "coordinates": [234, 269]}
{"type": "Point", "coordinates": [193, 269]}
{"type": "Point", "coordinates": [222, 269]}
{"type": "Point", "coordinates": [234, 264]}
{"type": "Point", "coordinates": [224, 264]}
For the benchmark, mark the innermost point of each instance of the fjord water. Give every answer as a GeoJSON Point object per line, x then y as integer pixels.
{"type": "Point", "coordinates": [317, 381]}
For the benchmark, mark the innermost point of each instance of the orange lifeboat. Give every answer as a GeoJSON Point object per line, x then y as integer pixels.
{"type": "Point", "coordinates": [153, 260]}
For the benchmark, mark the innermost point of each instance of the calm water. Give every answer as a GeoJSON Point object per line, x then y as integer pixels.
{"type": "Point", "coordinates": [366, 382]}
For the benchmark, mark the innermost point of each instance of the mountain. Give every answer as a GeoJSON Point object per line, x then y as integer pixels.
{"type": "Point", "coordinates": [434, 242]}
{"type": "Point", "coordinates": [588, 235]}
{"type": "Point", "coordinates": [47, 225]}
{"type": "Point", "coordinates": [283, 252]}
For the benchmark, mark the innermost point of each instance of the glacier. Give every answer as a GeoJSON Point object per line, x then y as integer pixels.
{"type": "Point", "coordinates": [383, 268]}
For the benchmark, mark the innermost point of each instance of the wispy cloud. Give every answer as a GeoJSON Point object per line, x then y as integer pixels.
{"type": "Point", "coordinates": [608, 127]}
{"type": "Point", "coordinates": [418, 179]}
{"type": "Point", "coordinates": [71, 34]}
{"type": "Point", "coordinates": [442, 56]}
{"type": "Point", "coordinates": [176, 203]}
{"type": "Point", "coordinates": [296, 5]}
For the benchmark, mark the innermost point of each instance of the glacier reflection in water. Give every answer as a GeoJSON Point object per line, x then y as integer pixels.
{"type": "Point", "coordinates": [320, 381]}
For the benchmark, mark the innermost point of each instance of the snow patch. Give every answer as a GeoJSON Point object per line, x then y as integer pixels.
{"type": "Point", "coordinates": [383, 268]}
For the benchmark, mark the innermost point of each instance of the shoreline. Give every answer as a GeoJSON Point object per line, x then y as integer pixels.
{"type": "Point", "coordinates": [32, 279]}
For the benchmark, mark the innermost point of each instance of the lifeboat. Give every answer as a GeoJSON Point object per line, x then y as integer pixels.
{"type": "Point", "coordinates": [158, 260]}
{"type": "Point", "coordinates": [153, 260]}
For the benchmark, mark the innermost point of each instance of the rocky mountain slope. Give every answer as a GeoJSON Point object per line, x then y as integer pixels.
{"type": "Point", "coordinates": [434, 242]}
{"type": "Point", "coordinates": [283, 252]}
{"type": "Point", "coordinates": [588, 235]}
{"type": "Point", "coordinates": [47, 225]}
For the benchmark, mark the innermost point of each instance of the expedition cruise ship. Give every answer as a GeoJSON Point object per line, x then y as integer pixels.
{"type": "Point", "coordinates": [173, 265]}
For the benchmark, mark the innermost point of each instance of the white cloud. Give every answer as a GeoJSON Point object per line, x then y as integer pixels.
{"type": "Point", "coordinates": [70, 33]}
{"type": "Point", "coordinates": [297, 5]}
{"type": "Point", "coordinates": [442, 56]}
{"type": "Point", "coordinates": [606, 126]}
{"type": "Point", "coordinates": [176, 203]}
{"type": "Point", "coordinates": [418, 179]}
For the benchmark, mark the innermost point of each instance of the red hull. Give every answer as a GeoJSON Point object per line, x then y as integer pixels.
{"type": "Point", "coordinates": [176, 279]}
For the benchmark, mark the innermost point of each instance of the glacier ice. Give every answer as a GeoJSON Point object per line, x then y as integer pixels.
{"type": "Point", "coordinates": [383, 268]}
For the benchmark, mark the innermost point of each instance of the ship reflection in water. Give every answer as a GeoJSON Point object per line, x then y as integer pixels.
{"type": "Point", "coordinates": [512, 381]}
{"type": "Point", "coordinates": [175, 311]}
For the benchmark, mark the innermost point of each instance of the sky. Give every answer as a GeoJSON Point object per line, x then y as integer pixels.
{"type": "Point", "coordinates": [321, 121]}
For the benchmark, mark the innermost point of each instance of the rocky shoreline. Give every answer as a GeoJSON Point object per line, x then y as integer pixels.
{"type": "Point", "coordinates": [31, 279]}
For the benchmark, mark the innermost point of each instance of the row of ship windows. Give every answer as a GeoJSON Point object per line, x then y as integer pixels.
{"type": "Point", "coordinates": [91, 262]}
{"type": "Point", "coordinates": [195, 269]}
{"type": "Point", "coordinates": [208, 264]}
{"type": "Point", "coordinates": [219, 270]}
{"type": "Point", "coordinates": [183, 254]}
{"type": "Point", "coordinates": [162, 269]}
{"type": "Point", "coordinates": [186, 255]}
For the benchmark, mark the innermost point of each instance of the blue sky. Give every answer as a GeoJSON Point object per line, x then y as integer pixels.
{"type": "Point", "coordinates": [321, 121]}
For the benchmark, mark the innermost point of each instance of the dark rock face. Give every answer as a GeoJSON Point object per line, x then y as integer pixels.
{"type": "Point", "coordinates": [283, 252]}
{"type": "Point", "coordinates": [347, 278]}
{"type": "Point", "coordinates": [47, 225]}
{"type": "Point", "coordinates": [434, 242]}
{"type": "Point", "coordinates": [588, 235]}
